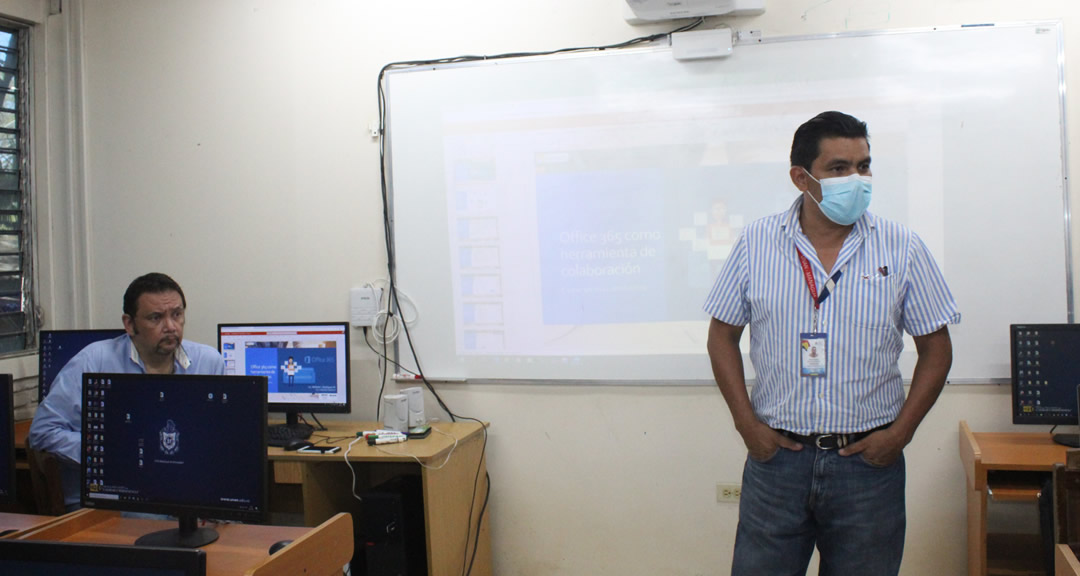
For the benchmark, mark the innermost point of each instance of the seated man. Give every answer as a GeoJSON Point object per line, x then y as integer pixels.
{"type": "Point", "coordinates": [154, 307]}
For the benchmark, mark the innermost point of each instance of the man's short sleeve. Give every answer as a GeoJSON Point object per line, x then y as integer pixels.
{"type": "Point", "coordinates": [727, 301]}
{"type": "Point", "coordinates": [928, 303]}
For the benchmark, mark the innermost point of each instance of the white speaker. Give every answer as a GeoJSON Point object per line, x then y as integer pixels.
{"type": "Point", "coordinates": [416, 406]}
{"type": "Point", "coordinates": [396, 412]}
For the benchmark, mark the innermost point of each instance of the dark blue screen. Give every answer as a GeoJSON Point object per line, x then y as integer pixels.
{"type": "Point", "coordinates": [171, 444]}
{"type": "Point", "coordinates": [57, 347]}
{"type": "Point", "coordinates": [1045, 373]}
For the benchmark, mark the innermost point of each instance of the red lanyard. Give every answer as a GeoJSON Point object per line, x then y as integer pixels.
{"type": "Point", "coordinates": [808, 275]}
{"type": "Point", "coordinates": [830, 284]}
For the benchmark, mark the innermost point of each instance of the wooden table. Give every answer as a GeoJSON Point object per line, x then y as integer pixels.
{"type": "Point", "coordinates": [1008, 467]}
{"type": "Point", "coordinates": [454, 486]}
{"type": "Point", "coordinates": [454, 481]}
{"type": "Point", "coordinates": [241, 549]}
{"type": "Point", "coordinates": [22, 522]}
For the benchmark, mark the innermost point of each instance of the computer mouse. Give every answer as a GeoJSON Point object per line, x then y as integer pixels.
{"type": "Point", "coordinates": [296, 444]}
{"type": "Point", "coordinates": [279, 545]}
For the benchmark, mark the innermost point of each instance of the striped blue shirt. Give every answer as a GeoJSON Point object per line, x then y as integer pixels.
{"type": "Point", "coordinates": [890, 284]}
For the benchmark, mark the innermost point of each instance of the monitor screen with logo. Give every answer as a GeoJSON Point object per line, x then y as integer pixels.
{"type": "Point", "coordinates": [191, 446]}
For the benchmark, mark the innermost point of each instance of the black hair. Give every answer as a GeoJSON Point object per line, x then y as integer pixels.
{"type": "Point", "coordinates": [152, 283]}
{"type": "Point", "coordinates": [806, 146]}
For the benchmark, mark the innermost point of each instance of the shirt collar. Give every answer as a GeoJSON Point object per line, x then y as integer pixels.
{"type": "Point", "coordinates": [180, 356]}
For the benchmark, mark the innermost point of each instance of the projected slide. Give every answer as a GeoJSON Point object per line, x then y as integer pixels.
{"type": "Point", "coordinates": [303, 363]}
{"type": "Point", "coordinates": [593, 267]}
{"type": "Point", "coordinates": [301, 370]}
{"type": "Point", "coordinates": [598, 242]}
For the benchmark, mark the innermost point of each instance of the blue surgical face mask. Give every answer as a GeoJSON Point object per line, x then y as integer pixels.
{"type": "Point", "coordinates": [843, 200]}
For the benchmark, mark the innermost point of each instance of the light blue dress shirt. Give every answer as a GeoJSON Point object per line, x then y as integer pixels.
{"type": "Point", "coordinates": [890, 284]}
{"type": "Point", "coordinates": [57, 425]}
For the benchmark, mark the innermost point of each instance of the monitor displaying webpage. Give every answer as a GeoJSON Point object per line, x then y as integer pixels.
{"type": "Point", "coordinates": [304, 363]}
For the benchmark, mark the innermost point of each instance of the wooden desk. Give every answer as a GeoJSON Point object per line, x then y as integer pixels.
{"type": "Point", "coordinates": [326, 486]}
{"type": "Point", "coordinates": [322, 485]}
{"type": "Point", "coordinates": [1006, 467]}
{"type": "Point", "coordinates": [22, 522]}
{"type": "Point", "coordinates": [241, 549]}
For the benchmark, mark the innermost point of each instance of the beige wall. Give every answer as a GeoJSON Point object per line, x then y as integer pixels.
{"type": "Point", "coordinates": [224, 142]}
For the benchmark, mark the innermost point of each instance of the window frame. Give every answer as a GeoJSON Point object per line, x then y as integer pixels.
{"type": "Point", "coordinates": [28, 308]}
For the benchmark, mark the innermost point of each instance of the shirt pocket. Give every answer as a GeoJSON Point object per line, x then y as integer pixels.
{"type": "Point", "coordinates": [874, 301]}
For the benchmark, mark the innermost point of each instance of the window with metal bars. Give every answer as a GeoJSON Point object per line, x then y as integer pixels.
{"type": "Point", "coordinates": [17, 320]}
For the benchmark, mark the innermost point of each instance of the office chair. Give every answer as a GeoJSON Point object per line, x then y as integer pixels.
{"type": "Point", "coordinates": [45, 482]}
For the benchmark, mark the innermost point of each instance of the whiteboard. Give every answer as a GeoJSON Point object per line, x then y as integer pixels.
{"type": "Point", "coordinates": [561, 218]}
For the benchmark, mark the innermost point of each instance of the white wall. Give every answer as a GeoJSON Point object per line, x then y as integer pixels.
{"type": "Point", "coordinates": [224, 142]}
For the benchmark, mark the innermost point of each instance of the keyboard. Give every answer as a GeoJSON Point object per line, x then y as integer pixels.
{"type": "Point", "coordinates": [280, 434]}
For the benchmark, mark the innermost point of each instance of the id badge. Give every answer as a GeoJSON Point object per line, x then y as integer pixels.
{"type": "Point", "coordinates": [812, 351]}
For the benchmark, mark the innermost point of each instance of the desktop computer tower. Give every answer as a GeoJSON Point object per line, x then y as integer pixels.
{"type": "Point", "coordinates": [390, 536]}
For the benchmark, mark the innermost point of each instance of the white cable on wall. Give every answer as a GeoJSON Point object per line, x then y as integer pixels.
{"type": "Point", "coordinates": [387, 324]}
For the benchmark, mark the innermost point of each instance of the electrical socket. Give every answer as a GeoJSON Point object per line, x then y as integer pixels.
{"type": "Point", "coordinates": [728, 492]}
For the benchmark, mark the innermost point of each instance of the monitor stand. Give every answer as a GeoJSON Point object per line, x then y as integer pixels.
{"type": "Point", "coordinates": [188, 535]}
{"type": "Point", "coordinates": [1070, 440]}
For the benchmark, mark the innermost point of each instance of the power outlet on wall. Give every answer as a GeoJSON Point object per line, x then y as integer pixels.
{"type": "Point", "coordinates": [728, 492]}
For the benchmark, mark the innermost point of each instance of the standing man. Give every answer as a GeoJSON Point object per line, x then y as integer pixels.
{"type": "Point", "coordinates": [154, 308]}
{"type": "Point", "coordinates": [828, 290]}
{"type": "Point", "coordinates": [290, 367]}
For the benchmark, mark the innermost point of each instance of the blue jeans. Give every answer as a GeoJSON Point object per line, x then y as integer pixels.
{"type": "Point", "coordinates": [852, 511]}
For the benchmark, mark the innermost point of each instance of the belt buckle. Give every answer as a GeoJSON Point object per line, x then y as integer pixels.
{"type": "Point", "coordinates": [838, 444]}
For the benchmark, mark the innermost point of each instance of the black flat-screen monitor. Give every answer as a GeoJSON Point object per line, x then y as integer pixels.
{"type": "Point", "coordinates": [7, 439]}
{"type": "Point", "coordinates": [40, 558]}
{"type": "Point", "coordinates": [191, 446]}
{"type": "Point", "coordinates": [1045, 375]}
{"type": "Point", "coordinates": [56, 347]}
{"type": "Point", "coordinates": [306, 364]}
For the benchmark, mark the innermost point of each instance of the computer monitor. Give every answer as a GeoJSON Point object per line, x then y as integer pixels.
{"type": "Point", "coordinates": [41, 558]}
{"type": "Point", "coordinates": [56, 347]}
{"type": "Point", "coordinates": [192, 446]}
{"type": "Point", "coordinates": [1045, 375]}
{"type": "Point", "coordinates": [7, 439]}
{"type": "Point", "coordinates": [306, 364]}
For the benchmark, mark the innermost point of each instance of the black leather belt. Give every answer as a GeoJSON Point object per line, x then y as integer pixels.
{"type": "Point", "coordinates": [830, 441]}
